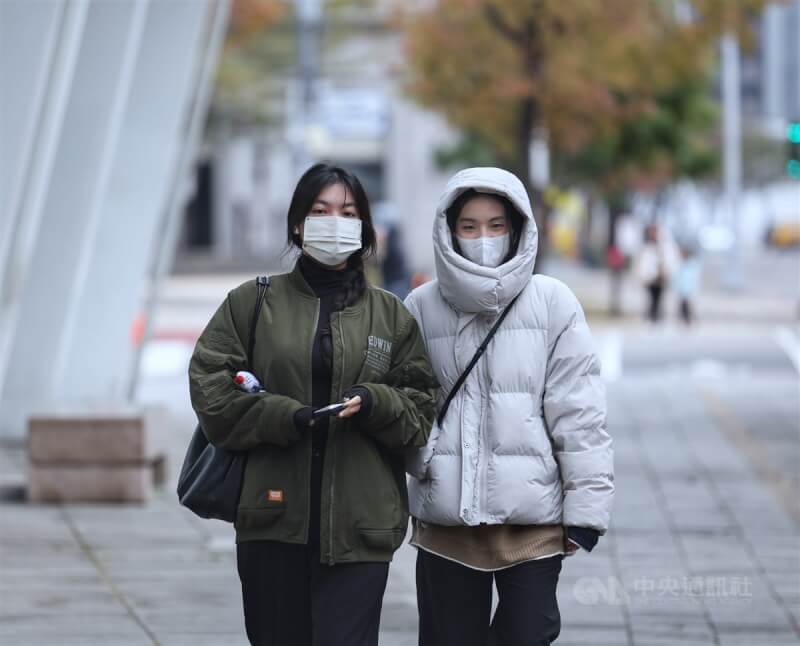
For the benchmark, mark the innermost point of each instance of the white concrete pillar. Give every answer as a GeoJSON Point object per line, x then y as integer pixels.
{"type": "Point", "coordinates": [68, 198]}
{"type": "Point", "coordinates": [109, 285]}
{"type": "Point", "coordinates": [28, 39]}
{"type": "Point", "coordinates": [39, 46]}
{"type": "Point", "coordinates": [118, 120]}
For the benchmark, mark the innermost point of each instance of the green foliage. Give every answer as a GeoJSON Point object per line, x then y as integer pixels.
{"type": "Point", "coordinates": [674, 138]}
{"type": "Point", "coordinates": [470, 150]}
{"type": "Point", "coordinates": [259, 50]}
{"type": "Point", "coordinates": [620, 87]}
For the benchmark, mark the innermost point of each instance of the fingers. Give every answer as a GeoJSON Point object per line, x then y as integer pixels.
{"type": "Point", "coordinates": [352, 407]}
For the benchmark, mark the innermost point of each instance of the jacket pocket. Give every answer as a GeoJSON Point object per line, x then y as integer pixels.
{"type": "Point", "coordinates": [418, 460]}
{"type": "Point", "coordinates": [258, 517]}
{"type": "Point", "coordinates": [385, 540]}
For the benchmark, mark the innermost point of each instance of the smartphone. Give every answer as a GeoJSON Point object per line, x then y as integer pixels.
{"type": "Point", "coordinates": [328, 411]}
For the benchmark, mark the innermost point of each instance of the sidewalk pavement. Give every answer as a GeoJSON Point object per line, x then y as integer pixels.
{"type": "Point", "coordinates": [770, 294]}
{"type": "Point", "coordinates": [703, 548]}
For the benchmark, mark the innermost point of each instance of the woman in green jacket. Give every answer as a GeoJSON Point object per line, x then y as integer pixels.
{"type": "Point", "coordinates": [324, 502]}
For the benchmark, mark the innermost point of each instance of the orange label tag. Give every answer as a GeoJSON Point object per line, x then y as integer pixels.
{"type": "Point", "coordinates": [275, 495]}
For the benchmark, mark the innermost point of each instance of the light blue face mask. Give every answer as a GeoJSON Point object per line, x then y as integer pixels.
{"type": "Point", "coordinates": [487, 252]}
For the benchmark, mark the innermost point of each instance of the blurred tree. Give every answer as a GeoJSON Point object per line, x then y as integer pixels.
{"type": "Point", "coordinates": [499, 68]}
{"type": "Point", "coordinates": [764, 159]}
{"type": "Point", "coordinates": [261, 53]}
{"type": "Point", "coordinates": [258, 48]}
{"type": "Point", "coordinates": [673, 137]}
{"type": "Point", "coordinates": [619, 88]}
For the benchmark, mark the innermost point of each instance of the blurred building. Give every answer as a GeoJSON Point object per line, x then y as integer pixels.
{"type": "Point", "coordinates": [771, 78]}
{"type": "Point", "coordinates": [341, 101]}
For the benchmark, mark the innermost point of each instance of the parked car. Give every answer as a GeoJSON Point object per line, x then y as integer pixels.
{"type": "Point", "coordinates": [784, 233]}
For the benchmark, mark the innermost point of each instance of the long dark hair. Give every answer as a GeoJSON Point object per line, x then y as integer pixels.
{"type": "Point", "coordinates": [311, 184]}
{"type": "Point", "coordinates": [516, 219]}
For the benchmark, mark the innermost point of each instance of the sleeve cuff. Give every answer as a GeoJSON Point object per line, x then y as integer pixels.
{"type": "Point", "coordinates": [366, 400]}
{"type": "Point", "coordinates": [583, 536]}
{"type": "Point", "coordinates": [303, 418]}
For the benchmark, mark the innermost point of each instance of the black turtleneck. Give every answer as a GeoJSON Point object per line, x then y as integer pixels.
{"type": "Point", "coordinates": [327, 284]}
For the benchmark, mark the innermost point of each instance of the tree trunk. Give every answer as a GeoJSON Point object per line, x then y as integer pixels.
{"type": "Point", "coordinates": [528, 115]}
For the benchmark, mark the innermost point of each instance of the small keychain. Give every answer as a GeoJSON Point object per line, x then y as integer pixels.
{"type": "Point", "coordinates": [248, 382]}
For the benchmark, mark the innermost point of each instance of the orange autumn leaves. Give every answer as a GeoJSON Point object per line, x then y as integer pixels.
{"type": "Point", "coordinates": [584, 66]}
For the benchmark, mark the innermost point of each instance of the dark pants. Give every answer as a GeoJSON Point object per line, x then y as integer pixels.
{"type": "Point", "coordinates": [455, 603]}
{"type": "Point", "coordinates": [654, 311]}
{"type": "Point", "coordinates": [291, 599]}
{"type": "Point", "coordinates": [686, 311]}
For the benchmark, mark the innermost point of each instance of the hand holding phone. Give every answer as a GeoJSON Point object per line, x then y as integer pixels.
{"type": "Point", "coordinates": [328, 411]}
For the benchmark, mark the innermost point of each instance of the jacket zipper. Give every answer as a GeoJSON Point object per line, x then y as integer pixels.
{"type": "Point", "coordinates": [331, 560]}
{"type": "Point", "coordinates": [310, 399]}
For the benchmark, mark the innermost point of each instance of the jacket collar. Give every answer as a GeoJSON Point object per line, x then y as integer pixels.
{"type": "Point", "coordinates": [299, 283]}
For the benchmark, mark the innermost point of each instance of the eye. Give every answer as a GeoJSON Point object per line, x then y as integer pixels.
{"type": "Point", "coordinates": [318, 211]}
{"type": "Point", "coordinates": [350, 214]}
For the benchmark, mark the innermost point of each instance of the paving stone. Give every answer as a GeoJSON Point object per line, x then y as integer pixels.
{"type": "Point", "coordinates": [688, 505]}
{"type": "Point", "coordinates": [104, 639]}
{"type": "Point", "coordinates": [572, 635]}
{"type": "Point", "coordinates": [757, 638]}
{"type": "Point", "coordinates": [237, 638]}
{"type": "Point", "coordinates": [84, 436]}
{"type": "Point", "coordinates": [51, 629]}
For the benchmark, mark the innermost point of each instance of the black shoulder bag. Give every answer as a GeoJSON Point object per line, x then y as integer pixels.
{"type": "Point", "coordinates": [211, 478]}
{"type": "Point", "coordinates": [478, 354]}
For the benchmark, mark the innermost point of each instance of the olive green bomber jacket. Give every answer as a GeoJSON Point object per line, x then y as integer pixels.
{"type": "Point", "coordinates": [377, 344]}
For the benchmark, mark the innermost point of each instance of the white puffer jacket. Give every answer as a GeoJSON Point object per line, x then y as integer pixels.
{"type": "Point", "coordinates": [524, 442]}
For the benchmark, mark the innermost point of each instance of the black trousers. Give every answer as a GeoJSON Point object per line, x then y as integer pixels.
{"type": "Point", "coordinates": [291, 599]}
{"type": "Point", "coordinates": [654, 311]}
{"type": "Point", "coordinates": [686, 311]}
{"type": "Point", "coordinates": [455, 603]}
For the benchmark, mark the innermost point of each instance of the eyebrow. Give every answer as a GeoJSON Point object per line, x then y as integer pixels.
{"type": "Point", "coordinates": [473, 220]}
{"type": "Point", "coordinates": [326, 203]}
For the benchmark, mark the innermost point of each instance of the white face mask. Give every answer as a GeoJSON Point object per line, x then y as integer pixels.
{"type": "Point", "coordinates": [487, 252]}
{"type": "Point", "coordinates": [331, 239]}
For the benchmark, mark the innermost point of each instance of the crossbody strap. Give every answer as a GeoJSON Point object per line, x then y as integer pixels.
{"type": "Point", "coordinates": [478, 354]}
{"type": "Point", "coordinates": [262, 282]}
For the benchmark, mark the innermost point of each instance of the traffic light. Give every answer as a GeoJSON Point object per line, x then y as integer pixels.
{"type": "Point", "coordinates": [793, 141]}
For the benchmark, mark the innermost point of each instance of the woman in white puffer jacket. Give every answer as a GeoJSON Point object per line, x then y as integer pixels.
{"type": "Point", "coordinates": [520, 472]}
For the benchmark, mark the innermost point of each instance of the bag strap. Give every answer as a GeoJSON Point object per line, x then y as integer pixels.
{"type": "Point", "coordinates": [478, 354]}
{"type": "Point", "coordinates": [262, 282]}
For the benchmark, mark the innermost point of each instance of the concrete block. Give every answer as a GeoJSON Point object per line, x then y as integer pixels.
{"type": "Point", "coordinates": [114, 454]}
{"type": "Point", "coordinates": [81, 436]}
{"type": "Point", "coordinates": [87, 483]}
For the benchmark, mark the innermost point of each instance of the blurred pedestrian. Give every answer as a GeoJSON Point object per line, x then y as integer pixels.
{"type": "Point", "coordinates": [687, 282]}
{"type": "Point", "coordinates": [323, 503]}
{"type": "Point", "coordinates": [419, 278]}
{"type": "Point", "coordinates": [391, 253]}
{"type": "Point", "coordinates": [518, 470]}
{"type": "Point", "coordinates": [655, 264]}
